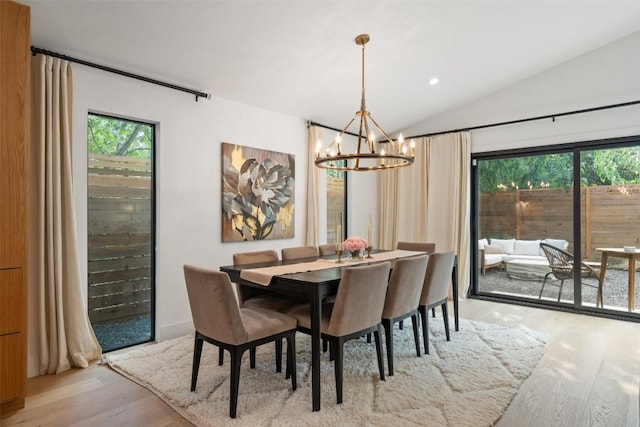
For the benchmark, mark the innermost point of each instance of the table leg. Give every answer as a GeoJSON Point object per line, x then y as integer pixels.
{"type": "Point", "coordinates": [454, 281]}
{"type": "Point", "coordinates": [316, 315]}
{"type": "Point", "coordinates": [603, 268]}
{"type": "Point", "coordinates": [632, 283]}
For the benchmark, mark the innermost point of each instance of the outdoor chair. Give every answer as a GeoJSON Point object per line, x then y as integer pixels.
{"type": "Point", "coordinates": [219, 320]}
{"type": "Point", "coordinates": [561, 263]}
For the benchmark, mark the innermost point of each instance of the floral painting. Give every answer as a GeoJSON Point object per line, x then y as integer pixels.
{"type": "Point", "coordinates": [257, 194]}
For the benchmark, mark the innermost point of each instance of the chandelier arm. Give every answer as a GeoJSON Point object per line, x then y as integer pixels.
{"type": "Point", "coordinates": [382, 131]}
{"type": "Point", "coordinates": [344, 130]}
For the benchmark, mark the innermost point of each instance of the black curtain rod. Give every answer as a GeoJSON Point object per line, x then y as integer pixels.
{"type": "Point", "coordinates": [530, 119]}
{"type": "Point", "coordinates": [198, 94]}
{"type": "Point", "coordinates": [310, 123]}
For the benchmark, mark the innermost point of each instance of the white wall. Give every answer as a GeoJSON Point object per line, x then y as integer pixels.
{"type": "Point", "coordinates": [605, 76]}
{"type": "Point", "coordinates": [189, 135]}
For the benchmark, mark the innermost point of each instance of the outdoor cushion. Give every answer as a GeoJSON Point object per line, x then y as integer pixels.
{"type": "Point", "coordinates": [507, 244]}
{"type": "Point", "coordinates": [527, 247]}
{"type": "Point", "coordinates": [482, 243]}
{"type": "Point", "coordinates": [493, 249]}
{"type": "Point", "coordinates": [558, 243]}
{"type": "Point", "coordinates": [507, 258]}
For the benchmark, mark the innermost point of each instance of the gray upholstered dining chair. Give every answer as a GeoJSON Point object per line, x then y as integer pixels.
{"type": "Point", "coordinates": [403, 297]}
{"type": "Point", "coordinates": [327, 249]}
{"type": "Point", "coordinates": [357, 310]}
{"type": "Point", "coordinates": [299, 252]}
{"type": "Point", "coordinates": [427, 247]}
{"type": "Point", "coordinates": [435, 291]}
{"type": "Point", "coordinates": [254, 297]}
{"type": "Point", "coordinates": [417, 246]}
{"type": "Point", "coordinates": [219, 320]}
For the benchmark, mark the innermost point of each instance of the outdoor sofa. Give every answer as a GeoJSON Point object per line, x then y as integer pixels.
{"type": "Point", "coordinates": [521, 259]}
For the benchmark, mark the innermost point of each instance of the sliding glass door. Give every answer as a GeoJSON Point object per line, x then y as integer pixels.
{"type": "Point", "coordinates": [531, 223]}
{"type": "Point", "coordinates": [610, 219]}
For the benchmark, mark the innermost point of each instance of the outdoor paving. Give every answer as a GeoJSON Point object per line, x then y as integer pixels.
{"type": "Point", "coordinates": [615, 289]}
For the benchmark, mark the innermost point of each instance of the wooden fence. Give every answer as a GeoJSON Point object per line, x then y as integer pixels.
{"type": "Point", "coordinates": [610, 216]}
{"type": "Point", "coordinates": [119, 231]}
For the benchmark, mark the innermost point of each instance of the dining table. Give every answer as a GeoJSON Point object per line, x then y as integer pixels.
{"type": "Point", "coordinates": [629, 253]}
{"type": "Point", "coordinates": [314, 279]}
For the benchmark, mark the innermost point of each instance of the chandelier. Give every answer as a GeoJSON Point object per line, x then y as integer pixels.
{"type": "Point", "coordinates": [372, 153]}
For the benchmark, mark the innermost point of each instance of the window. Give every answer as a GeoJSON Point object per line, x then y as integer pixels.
{"type": "Point", "coordinates": [526, 197]}
{"type": "Point", "coordinates": [336, 204]}
{"type": "Point", "coordinates": [121, 234]}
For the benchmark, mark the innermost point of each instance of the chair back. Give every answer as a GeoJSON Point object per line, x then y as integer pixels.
{"type": "Point", "coordinates": [560, 261]}
{"type": "Point", "coordinates": [360, 299]}
{"type": "Point", "coordinates": [437, 277]}
{"type": "Point", "coordinates": [299, 252]}
{"type": "Point", "coordinates": [405, 286]}
{"type": "Point", "coordinates": [417, 246]}
{"type": "Point", "coordinates": [242, 258]}
{"type": "Point", "coordinates": [214, 309]}
{"type": "Point", "coordinates": [328, 249]}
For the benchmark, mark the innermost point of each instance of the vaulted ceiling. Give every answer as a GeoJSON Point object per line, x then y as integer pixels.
{"type": "Point", "coordinates": [299, 57]}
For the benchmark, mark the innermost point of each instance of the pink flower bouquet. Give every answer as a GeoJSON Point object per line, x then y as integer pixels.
{"type": "Point", "coordinates": [354, 244]}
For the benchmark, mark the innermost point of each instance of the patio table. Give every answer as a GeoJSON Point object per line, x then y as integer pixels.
{"type": "Point", "coordinates": [621, 253]}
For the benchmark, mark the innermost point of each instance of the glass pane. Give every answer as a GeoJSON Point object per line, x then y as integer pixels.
{"type": "Point", "coordinates": [524, 201]}
{"type": "Point", "coordinates": [336, 188]}
{"type": "Point", "coordinates": [610, 201]}
{"type": "Point", "coordinates": [120, 230]}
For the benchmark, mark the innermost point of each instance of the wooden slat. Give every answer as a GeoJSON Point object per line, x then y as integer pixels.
{"type": "Point", "coordinates": [119, 275]}
{"type": "Point", "coordinates": [119, 181]}
{"type": "Point", "coordinates": [118, 192]}
{"type": "Point", "coordinates": [101, 265]}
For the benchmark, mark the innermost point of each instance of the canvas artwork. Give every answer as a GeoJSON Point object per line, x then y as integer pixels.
{"type": "Point", "coordinates": [257, 194]}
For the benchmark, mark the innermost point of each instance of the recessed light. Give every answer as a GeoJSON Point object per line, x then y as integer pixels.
{"type": "Point", "coordinates": [434, 81]}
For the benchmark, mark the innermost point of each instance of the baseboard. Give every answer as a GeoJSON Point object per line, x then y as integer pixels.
{"type": "Point", "coordinates": [173, 331]}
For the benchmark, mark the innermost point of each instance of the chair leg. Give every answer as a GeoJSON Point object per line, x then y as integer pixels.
{"type": "Point", "coordinates": [338, 364]}
{"type": "Point", "coordinates": [560, 291]}
{"type": "Point", "coordinates": [378, 337]}
{"type": "Point", "coordinates": [388, 333]}
{"type": "Point", "coordinates": [414, 320]}
{"type": "Point", "coordinates": [544, 281]}
{"type": "Point", "coordinates": [600, 296]}
{"type": "Point", "coordinates": [445, 314]}
{"type": "Point", "coordinates": [433, 312]}
{"type": "Point", "coordinates": [291, 360]}
{"type": "Point", "coordinates": [279, 355]}
{"type": "Point", "coordinates": [252, 358]}
{"type": "Point", "coordinates": [220, 356]}
{"type": "Point", "coordinates": [325, 345]}
{"type": "Point", "coordinates": [401, 325]}
{"type": "Point", "coordinates": [234, 385]}
{"type": "Point", "coordinates": [425, 327]}
{"type": "Point", "coordinates": [368, 338]}
{"type": "Point", "coordinates": [197, 352]}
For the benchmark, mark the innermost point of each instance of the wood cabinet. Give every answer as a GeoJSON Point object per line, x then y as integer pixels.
{"type": "Point", "coordinates": [14, 180]}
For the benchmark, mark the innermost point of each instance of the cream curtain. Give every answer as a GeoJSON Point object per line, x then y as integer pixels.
{"type": "Point", "coordinates": [65, 335]}
{"type": "Point", "coordinates": [313, 200]}
{"type": "Point", "coordinates": [430, 200]}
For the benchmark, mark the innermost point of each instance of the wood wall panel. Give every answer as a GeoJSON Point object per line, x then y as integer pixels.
{"type": "Point", "coordinates": [14, 180]}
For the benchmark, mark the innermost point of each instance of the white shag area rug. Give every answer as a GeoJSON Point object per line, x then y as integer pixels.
{"type": "Point", "coordinates": [468, 381]}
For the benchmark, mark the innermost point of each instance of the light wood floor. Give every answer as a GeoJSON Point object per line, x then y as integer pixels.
{"type": "Point", "coordinates": [589, 376]}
